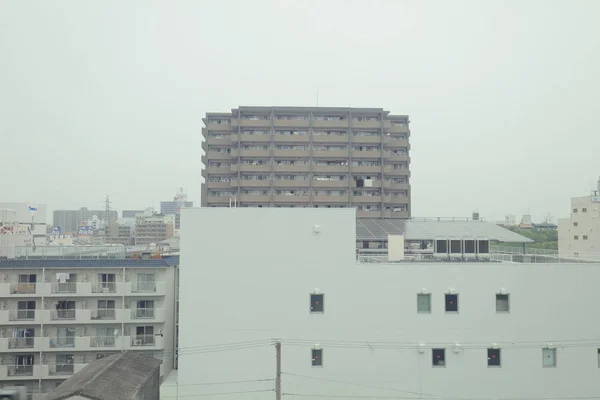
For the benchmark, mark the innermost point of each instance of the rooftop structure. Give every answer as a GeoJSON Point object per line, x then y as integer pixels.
{"type": "Point", "coordinates": [477, 330]}
{"type": "Point", "coordinates": [323, 157]}
{"type": "Point", "coordinates": [123, 376]}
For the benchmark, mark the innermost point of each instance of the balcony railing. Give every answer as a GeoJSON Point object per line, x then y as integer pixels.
{"type": "Point", "coordinates": [61, 369]}
{"type": "Point", "coordinates": [19, 370]}
{"type": "Point", "coordinates": [143, 287]}
{"type": "Point", "coordinates": [22, 288]}
{"type": "Point", "coordinates": [21, 315]}
{"type": "Point", "coordinates": [104, 287]}
{"type": "Point", "coordinates": [142, 313]}
{"type": "Point", "coordinates": [143, 340]}
{"type": "Point", "coordinates": [60, 342]}
{"type": "Point", "coordinates": [67, 287]}
{"type": "Point", "coordinates": [104, 314]}
{"type": "Point", "coordinates": [62, 314]}
{"type": "Point", "coordinates": [21, 343]}
{"type": "Point", "coordinates": [103, 341]}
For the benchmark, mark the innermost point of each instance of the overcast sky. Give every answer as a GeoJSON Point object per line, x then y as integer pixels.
{"type": "Point", "coordinates": [106, 97]}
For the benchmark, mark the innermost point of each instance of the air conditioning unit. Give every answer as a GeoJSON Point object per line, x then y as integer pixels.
{"type": "Point", "coordinates": [105, 290]}
{"type": "Point", "coordinates": [137, 343]}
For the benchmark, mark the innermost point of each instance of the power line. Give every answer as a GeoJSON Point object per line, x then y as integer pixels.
{"type": "Point", "coordinates": [215, 394]}
{"type": "Point", "coordinates": [227, 382]}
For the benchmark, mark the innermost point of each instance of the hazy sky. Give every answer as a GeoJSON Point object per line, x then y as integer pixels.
{"type": "Point", "coordinates": [106, 97]}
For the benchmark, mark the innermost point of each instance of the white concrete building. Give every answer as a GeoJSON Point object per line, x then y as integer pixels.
{"type": "Point", "coordinates": [401, 330]}
{"type": "Point", "coordinates": [579, 235]}
{"type": "Point", "coordinates": [57, 315]}
{"type": "Point", "coordinates": [22, 224]}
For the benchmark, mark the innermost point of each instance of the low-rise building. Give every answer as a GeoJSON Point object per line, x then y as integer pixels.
{"type": "Point", "coordinates": [151, 227]}
{"type": "Point", "coordinates": [57, 314]}
{"type": "Point", "coordinates": [283, 285]}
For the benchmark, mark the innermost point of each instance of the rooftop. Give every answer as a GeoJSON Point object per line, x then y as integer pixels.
{"type": "Point", "coordinates": [165, 261]}
{"type": "Point", "coordinates": [117, 377]}
{"type": "Point", "coordinates": [435, 228]}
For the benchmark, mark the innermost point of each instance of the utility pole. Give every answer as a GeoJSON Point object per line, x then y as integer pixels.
{"type": "Point", "coordinates": [278, 370]}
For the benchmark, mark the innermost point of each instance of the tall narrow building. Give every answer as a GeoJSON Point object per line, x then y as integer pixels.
{"type": "Point", "coordinates": [308, 157]}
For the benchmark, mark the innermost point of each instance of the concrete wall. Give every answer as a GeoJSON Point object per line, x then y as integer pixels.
{"type": "Point", "coordinates": [246, 275]}
{"type": "Point", "coordinates": [588, 225]}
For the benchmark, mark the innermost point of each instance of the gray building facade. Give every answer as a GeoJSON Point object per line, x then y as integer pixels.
{"type": "Point", "coordinates": [308, 157]}
{"type": "Point", "coordinates": [70, 220]}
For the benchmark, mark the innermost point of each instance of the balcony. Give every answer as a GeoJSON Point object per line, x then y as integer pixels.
{"type": "Point", "coordinates": [219, 170]}
{"type": "Point", "coordinates": [375, 183]}
{"type": "Point", "coordinates": [219, 199]}
{"type": "Point", "coordinates": [297, 168]}
{"type": "Point", "coordinates": [366, 169]}
{"type": "Point", "coordinates": [104, 287]}
{"type": "Point", "coordinates": [291, 199]}
{"type": "Point", "coordinates": [245, 138]}
{"type": "Point", "coordinates": [391, 157]}
{"type": "Point", "coordinates": [226, 141]}
{"type": "Point", "coordinates": [391, 171]}
{"type": "Point", "coordinates": [22, 288]}
{"type": "Point", "coordinates": [66, 342]}
{"type": "Point", "coordinates": [331, 154]}
{"type": "Point", "coordinates": [138, 341]}
{"type": "Point", "coordinates": [63, 288]}
{"type": "Point", "coordinates": [396, 214]}
{"type": "Point", "coordinates": [396, 199]}
{"type": "Point", "coordinates": [262, 153]}
{"type": "Point", "coordinates": [367, 124]}
{"type": "Point", "coordinates": [330, 139]}
{"type": "Point", "coordinates": [399, 186]}
{"type": "Point", "coordinates": [217, 185]}
{"type": "Point", "coordinates": [395, 142]}
{"type": "Point", "coordinates": [295, 153]}
{"type": "Point", "coordinates": [211, 126]}
{"type": "Point", "coordinates": [397, 129]}
{"type": "Point", "coordinates": [251, 183]}
{"type": "Point", "coordinates": [64, 369]}
{"type": "Point", "coordinates": [291, 123]}
{"type": "Point", "coordinates": [264, 123]}
{"type": "Point", "coordinates": [105, 314]}
{"type": "Point", "coordinates": [332, 183]}
{"type": "Point", "coordinates": [334, 123]}
{"type": "Point", "coordinates": [62, 315]}
{"type": "Point", "coordinates": [145, 314]}
{"type": "Point", "coordinates": [371, 154]}
{"type": "Point", "coordinates": [296, 183]}
{"type": "Point", "coordinates": [331, 168]}
{"type": "Point", "coordinates": [17, 372]}
{"type": "Point", "coordinates": [19, 344]}
{"type": "Point", "coordinates": [253, 198]}
{"type": "Point", "coordinates": [366, 199]}
{"type": "Point", "coordinates": [291, 138]}
{"type": "Point", "coordinates": [23, 317]}
{"type": "Point", "coordinates": [103, 341]}
{"type": "Point", "coordinates": [359, 139]}
{"type": "Point", "coordinates": [368, 214]}
{"type": "Point", "coordinates": [250, 168]}
{"type": "Point", "coordinates": [149, 288]}
{"type": "Point", "coordinates": [329, 199]}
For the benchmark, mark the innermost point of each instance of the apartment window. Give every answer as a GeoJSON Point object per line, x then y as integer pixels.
{"type": "Point", "coordinates": [106, 309]}
{"type": "Point", "coordinates": [23, 365]}
{"type": "Point", "coordinates": [574, 210]}
{"type": "Point", "coordinates": [107, 283]}
{"type": "Point", "coordinates": [317, 357]}
{"type": "Point", "coordinates": [64, 364]}
{"type": "Point", "coordinates": [317, 304]}
{"type": "Point", "coordinates": [438, 357]}
{"type": "Point", "coordinates": [493, 356]}
{"type": "Point", "coordinates": [584, 210]}
{"type": "Point", "coordinates": [585, 237]}
{"type": "Point", "coordinates": [423, 303]}
{"type": "Point", "coordinates": [576, 237]}
{"type": "Point", "coordinates": [145, 309]}
{"type": "Point", "coordinates": [26, 309]}
{"type": "Point", "coordinates": [65, 309]}
{"type": "Point", "coordinates": [451, 302]}
{"type": "Point", "coordinates": [549, 358]}
{"type": "Point", "coordinates": [145, 283]}
{"type": "Point", "coordinates": [502, 303]}
{"type": "Point", "coordinates": [26, 284]}
{"type": "Point", "coordinates": [575, 223]}
{"type": "Point", "coordinates": [144, 336]}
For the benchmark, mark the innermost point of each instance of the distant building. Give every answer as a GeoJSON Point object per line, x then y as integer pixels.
{"type": "Point", "coordinates": [131, 213]}
{"type": "Point", "coordinates": [153, 228]}
{"type": "Point", "coordinates": [22, 224]}
{"type": "Point", "coordinates": [71, 220]}
{"type": "Point", "coordinates": [170, 207]}
{"type": "Point", "coordinates": [125, 376]}
{"type": "Point", "coordinates": [579, 235]}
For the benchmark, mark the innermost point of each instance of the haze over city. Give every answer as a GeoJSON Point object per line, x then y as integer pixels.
{"type": "Point", "coordinates": [107, 97]}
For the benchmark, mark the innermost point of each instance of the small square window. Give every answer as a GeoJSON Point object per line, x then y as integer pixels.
{"type": "Point", "coordinates": [584, 210]}
{"type": "Point", "coordinates": [576, 237]}
{"type": "Point", "coordinates": [502, 303]}
{"type": "Point", "coordinates": [317, 357]}
{"type": "Point", "coordinates": [438, 357]}
{"type": "Point", "coordinates": [584, 237]}
{"type": "Point", "coordinates": [574, 210]}
{"type": "Point", "coordinates": [549, 358]}
{"type": "Point", "coordinates": [575, 223]}
{"type": "Point", "coordinates": [316, 303]}
{"type": "Point", "coordinates": [424, 303]}
{"type": "Point", "coordinates": [493, 357]}
{"type": "Point", "coordinates": [451, 302]}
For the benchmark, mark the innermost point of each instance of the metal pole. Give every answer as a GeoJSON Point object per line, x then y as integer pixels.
{"type": "Point", "coordinates": [278, 371]}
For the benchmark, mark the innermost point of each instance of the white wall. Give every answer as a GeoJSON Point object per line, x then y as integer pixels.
{"type": "Point", "coordinates": [246, 275]}
{"type": "Point", "coordinates": [588, 224]}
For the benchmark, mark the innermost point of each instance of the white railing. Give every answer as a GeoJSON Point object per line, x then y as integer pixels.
{"type": "Point", "coordinates": [23, 288]}
{"type": "Point", "coordinates": [143, 287]}
{"type": "Point", "coordinates": [19, 370]}
{"type": "Point", "coordinates": [61, 342]}
{"type": "Point", "coordinates": [21, 343]}
{"type": "Point", "coordinates": [67, 287]}
{"type": "Point", "coordinates": [103, 341]}
{"type": "Point", "coordinates": [104, 287]}
{"type": "Point", "coordinates": [21, 315]}
{"type": "Point", "coordinates": [143, 313]}
{"type": "Point", "coordinates": [62, 314]}
{"type": "Point", "coordinates": [104, 313]}
{"type": "Point", "coordinates": [143, 340]}
{"type": "Point", "coordinates": [62, 368]}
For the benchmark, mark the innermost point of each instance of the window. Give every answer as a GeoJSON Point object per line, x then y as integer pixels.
{"type": "Point", "coordinates": [424, 303]}
{"type": "Point", "coordinates": [575, 223]}
{"type": "Point", "coordinates": [317, 303]}
{"type": "Point", "coordinates": [144, 336]}
{"type": "Point", "coordinates": [549, 358]}
{"type": "Point", "coordinates": [574, 210]}
{"type": "Point", "coordinates": [585, 237]}
{"type": "Point", "coordinates": [502, 303]}
{"type": "Point", "coordinates": [107, 283]}
{"type": "Point", "coordinates": [65, 309]}
{"type": "Point", "coordinates": [26, 309]}
{"type": "Point", "coordinates": [145, 283]}
{"type": "Point", "coordinates": [145, 309]}
{"type": "Point", "coordinates": [451, 302]}
{"type": "Point", "coordinates": [106, 309]}
{"type": "Point", "coordinates": [576, 237]}
{"type": "Point", "coordinates": [438, 357]}
{"type": "Point", "coordinates": [493, 356]}
{"type": "Point", "coordinates": [64, 364]}
{"type": "Point", "coordinates": [584, 210]}
{"type": "Point", "coordinates": [317, 357]}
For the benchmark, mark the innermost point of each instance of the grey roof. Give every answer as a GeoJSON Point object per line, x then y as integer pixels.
{"type": "Point", "coordinates": [117, 377]}
{"type": "Point", "coordinates": [89, 263]}
{"type": "Point", "coordinates": [377, 229]}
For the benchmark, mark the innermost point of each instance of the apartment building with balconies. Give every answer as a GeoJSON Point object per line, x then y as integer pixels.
{"type": "Point", "coordinates": [58, 315]}
{"type": "Point", "coordinates": [308, 157]}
